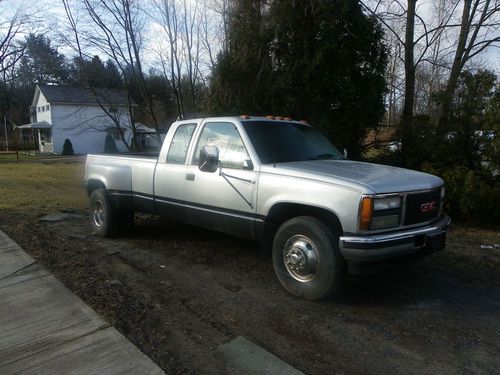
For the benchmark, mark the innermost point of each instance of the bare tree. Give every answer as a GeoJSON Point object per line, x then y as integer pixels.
{"type": "Point", "coordinates": [420, 36]}
{"type": "Point", "coordinates": [10, 50]}
{"type": "Point", "coordinates": [14, 24]}
{"type": "Point", "coordinates": [191, 34]}
{"type": "Point", "coordinates": [114, 28]}
{"type": "Point", "coordinates": [170, 55]}
{"type": "Point", "coordinates": [479, 29]}
{"type": "Point", "coordinates": [395, 82]}
{"type": "Point", "coordinates": [102, 96]}
{"type": "Point", "coordinates": [215, 28]}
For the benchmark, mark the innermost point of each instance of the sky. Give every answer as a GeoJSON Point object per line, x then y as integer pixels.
{"type": "Point", "coordinates": [52, 18]}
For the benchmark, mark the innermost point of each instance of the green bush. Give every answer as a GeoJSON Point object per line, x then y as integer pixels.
{"type": "Point", "coordinates": [471, 196]}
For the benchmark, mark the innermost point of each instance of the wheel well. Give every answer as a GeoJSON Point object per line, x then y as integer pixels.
{"type": "Point", "coordinates": [94, 185]}
{"type": "Point", "coordinates": [282, 212]}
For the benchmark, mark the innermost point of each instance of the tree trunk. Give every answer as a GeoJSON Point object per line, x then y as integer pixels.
{"type": "Point", "coordinates": [407, 120]}
{"type": "Point", "coordinates": [458, 63]}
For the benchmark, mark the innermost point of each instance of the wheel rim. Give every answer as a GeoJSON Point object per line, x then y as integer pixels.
{"type": "Point", "coordinates": [98, 214]}
{"type": "Point", "coordinates": [301, 258]}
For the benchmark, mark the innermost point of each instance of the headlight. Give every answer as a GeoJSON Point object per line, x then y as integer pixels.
{"type": "Point", "coordinates": [379, 213]}
{"type": "Point", "coordinates": [382, 222]}
{"type": "Point", "coordinates": [386, 203]}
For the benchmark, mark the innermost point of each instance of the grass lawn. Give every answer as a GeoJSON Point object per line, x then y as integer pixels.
{"type": "Point", "coordinates": [33, 189]}
{"type": "Point", "coordinates": [11, 156]}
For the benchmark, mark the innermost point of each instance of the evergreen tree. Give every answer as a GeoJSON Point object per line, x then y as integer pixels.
{"type": "Point", "coordinates": [240, 82]}
{"type": "Point", "coordinates": [110, 145]}
{"type": "Point", "coordinates": [67, 148]}
{"type": "Point", "coordinates": [113, 77]}
{"type": "Point", "coordinates": [94, 73]}
{"type": "Point", "coordinates": [471, 131]}
{"type": "Point", "coordinates": [319, 60]}
{"type": "Point", "coordinates": [42, 64]}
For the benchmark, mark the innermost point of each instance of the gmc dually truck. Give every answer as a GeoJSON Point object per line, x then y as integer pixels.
{"type": "Point", "coordinates": [281, 182]}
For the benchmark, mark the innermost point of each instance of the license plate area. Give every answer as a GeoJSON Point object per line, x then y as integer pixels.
{"type": "Point", "coordinates": [436, 242]}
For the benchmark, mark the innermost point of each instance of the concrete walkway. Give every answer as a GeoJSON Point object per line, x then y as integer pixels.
{"type": "Point", "coordinates": [46, 329]}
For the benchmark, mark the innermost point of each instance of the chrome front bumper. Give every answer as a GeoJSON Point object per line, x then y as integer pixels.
{"type": "Point", "coordinates": [385, 246]}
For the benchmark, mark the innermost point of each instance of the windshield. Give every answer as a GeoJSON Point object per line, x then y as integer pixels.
{"type": "Point", "coordinates": [279, 142]}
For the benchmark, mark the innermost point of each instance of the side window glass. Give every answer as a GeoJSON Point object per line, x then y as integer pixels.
{"type": "Point", "coordinates": [180, 142]}
{"type": "Point", "coordinates": [225, 136]}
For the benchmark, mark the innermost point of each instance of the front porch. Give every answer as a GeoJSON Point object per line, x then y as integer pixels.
{"type": "Point", "coordinates": [40, 133]}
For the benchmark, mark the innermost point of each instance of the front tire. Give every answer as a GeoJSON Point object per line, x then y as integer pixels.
{"type": "Point", "coordinates": [104, 217]}
{"type": "Point", "coordinates": [306, 258]}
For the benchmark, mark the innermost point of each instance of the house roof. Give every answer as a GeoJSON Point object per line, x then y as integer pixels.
{"type": "Point", "coordinates": [141, 128]}
{"type": "Point", "coordinates": [82, 95]}
{"type": "Point", "coordinates": [36, 125]}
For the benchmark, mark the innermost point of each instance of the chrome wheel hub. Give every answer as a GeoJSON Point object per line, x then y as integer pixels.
{"type": "Point", "coordinates": [301, 258]}
{"type": "Point", "coordinates": [98, 214]}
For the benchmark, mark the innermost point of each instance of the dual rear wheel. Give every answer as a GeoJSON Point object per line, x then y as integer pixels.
{"type": "Point", "coordinates": [105, 219]}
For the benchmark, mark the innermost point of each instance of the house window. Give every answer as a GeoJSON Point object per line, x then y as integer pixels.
{"type": "Point", "coordinates": [38, 109]}
{"type": "Point", "coordinates": [47, 107]}
{"type": "Point", "coordinates": [43, 108]}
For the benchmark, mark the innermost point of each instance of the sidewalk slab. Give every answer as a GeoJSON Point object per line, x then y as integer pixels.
{"type": "Point", "coordinates": [103, 352]}
{"type": "Point", "coordinates": [12, 257]}
{"type": "Point", "coordinates": [243, 357]}
{"type": "Point", "coordinates": [46, 329]}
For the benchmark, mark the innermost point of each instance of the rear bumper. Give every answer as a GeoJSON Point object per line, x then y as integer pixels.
{"type": "Point", "coordinates": [380, 247]}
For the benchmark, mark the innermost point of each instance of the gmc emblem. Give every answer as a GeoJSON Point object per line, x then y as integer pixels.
{"type": "Point", "coordinates": [428, 207]}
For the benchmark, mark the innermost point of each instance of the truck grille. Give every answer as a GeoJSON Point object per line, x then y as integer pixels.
{"type": "Point", "coordinates": [422, 207]}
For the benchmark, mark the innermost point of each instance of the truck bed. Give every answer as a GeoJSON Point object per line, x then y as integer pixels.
{"type": "Point", "coordinates": [145, 155]}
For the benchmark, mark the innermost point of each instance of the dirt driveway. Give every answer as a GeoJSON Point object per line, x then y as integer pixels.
{"type": "Point", "coordinates": [178, 292]}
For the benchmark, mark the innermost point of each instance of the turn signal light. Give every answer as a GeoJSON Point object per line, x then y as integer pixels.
{"type": "Point", "coordinates": [365, 214]}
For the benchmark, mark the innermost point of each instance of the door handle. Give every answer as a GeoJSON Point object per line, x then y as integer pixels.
{"type": "Point", "coordinates": [190, 176]}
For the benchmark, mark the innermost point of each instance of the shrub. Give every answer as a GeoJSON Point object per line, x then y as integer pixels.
{"type": "Point", "coordinates": [110, 145]}
{"type": "Point", "coordinates": [471, 196]}
{"type": "Point", "coordinates": [67, 148]}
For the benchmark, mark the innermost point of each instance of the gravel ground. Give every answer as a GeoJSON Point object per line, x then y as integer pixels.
{"type": "Point", "coordinates": [178, 292]}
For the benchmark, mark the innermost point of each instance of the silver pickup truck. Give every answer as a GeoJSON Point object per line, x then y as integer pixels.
{"type": "Point", "coordinates": [281, 182]}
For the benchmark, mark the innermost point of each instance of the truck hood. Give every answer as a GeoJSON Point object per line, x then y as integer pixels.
{"type": "Point", "coordinates": [367, 177]}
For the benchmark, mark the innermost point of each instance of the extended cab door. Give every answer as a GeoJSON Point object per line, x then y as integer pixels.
{"type": "Point", "coordinates": [170, 173]}
{"type": "Point", "coordinates": [224, 200]}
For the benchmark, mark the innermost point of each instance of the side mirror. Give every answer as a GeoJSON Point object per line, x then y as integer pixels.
{"type": "Point", "coordinates": [209, 159]}
{"type": "Point", "coordinates": [247, 165]}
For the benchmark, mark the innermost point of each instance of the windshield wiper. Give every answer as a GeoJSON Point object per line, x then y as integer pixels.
{"type": "Point", "coordinates": [325, 156]}
{"type": "Point", "coordinates": [306, 158]}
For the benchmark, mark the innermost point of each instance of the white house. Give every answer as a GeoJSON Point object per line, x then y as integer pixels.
{"type": "Point", "coordinates": [84, 116]}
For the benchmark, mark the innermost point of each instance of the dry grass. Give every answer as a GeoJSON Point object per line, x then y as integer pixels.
{"type": "Point", "coordinates": [11, 156]}
{"type": "Point", "coordinates": [36, 188]}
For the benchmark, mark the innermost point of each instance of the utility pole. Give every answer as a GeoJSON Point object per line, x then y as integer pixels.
{"type": "Point", "coordinates": [6, 137]}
